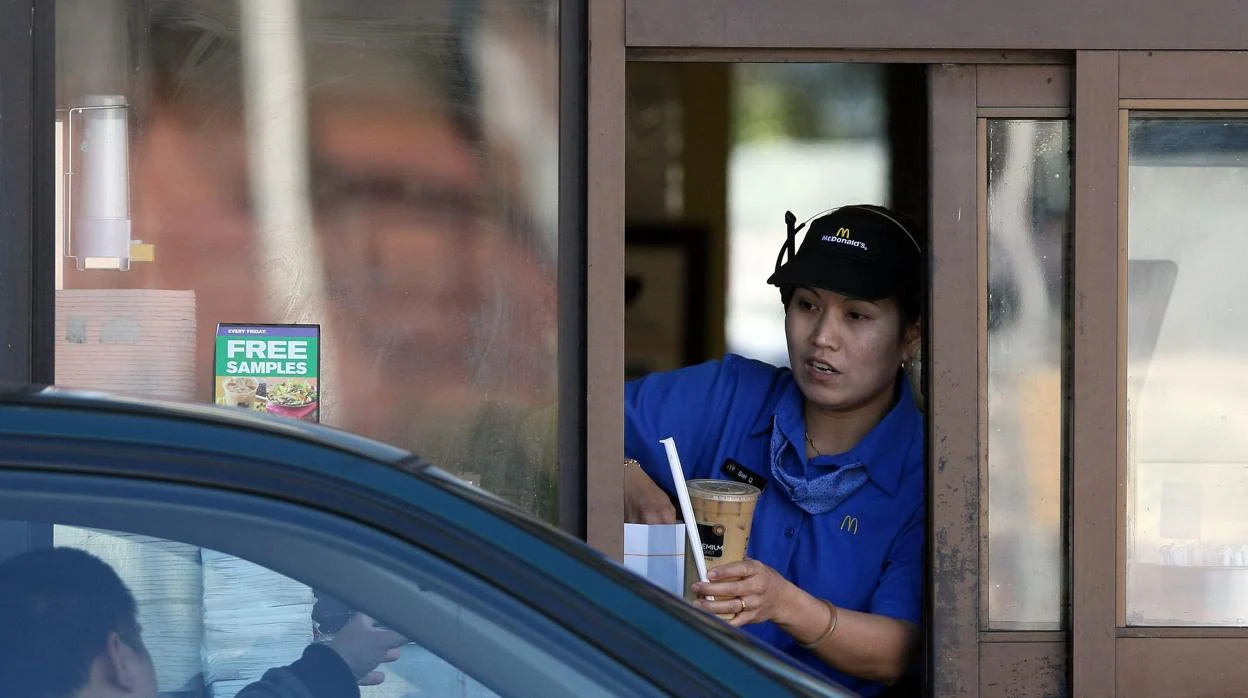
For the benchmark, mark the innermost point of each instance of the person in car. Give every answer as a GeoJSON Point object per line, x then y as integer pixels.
{"type": "Point", "coordinates": [834, 568]}
{"type": "Point", "coordinates": [70, 630]}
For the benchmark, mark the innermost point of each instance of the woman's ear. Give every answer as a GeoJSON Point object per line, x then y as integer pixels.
{"type": "Point", "coordinates": [912, 341]}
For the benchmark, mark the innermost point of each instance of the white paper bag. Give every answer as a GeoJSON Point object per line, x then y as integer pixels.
{"type": "Point", "coordinates": [657, 552]}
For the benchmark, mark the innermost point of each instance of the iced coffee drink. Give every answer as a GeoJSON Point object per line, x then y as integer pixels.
{"type": "Point", "coordinates": [724, 511]}
{"type": "Point", "coordinates": [240, 392]}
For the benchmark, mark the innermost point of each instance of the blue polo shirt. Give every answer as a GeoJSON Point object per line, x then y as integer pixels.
{"type": "Point", "coordinates": [865, 555]}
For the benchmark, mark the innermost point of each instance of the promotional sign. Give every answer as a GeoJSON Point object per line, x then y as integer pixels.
{"type": "Point", "coordinates": [270, 368]}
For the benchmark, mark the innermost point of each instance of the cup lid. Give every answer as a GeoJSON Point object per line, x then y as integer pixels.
{"type": "Point", "coordinates": [723, 490]}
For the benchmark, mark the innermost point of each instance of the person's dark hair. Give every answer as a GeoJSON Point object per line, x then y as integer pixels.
{"type": "Point", "coordinates": [58, 607]}
{"type": "Point", "coordinates": [910, 297]}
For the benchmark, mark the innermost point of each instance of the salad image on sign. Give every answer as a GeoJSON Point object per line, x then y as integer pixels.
{"type": "Point", "coordinates": [269, 368]}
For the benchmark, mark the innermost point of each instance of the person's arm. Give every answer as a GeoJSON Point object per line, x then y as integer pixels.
{"type": "Point", "coordinates": [644, 501]}
{"type": "Point", "coordinates": [334, 670]}
{"type": "Point", "coordinates": [319, 673]}
{"type": "Point", "coordinates": [686, 405]}
{"type": "Point", "coordinates": [866, 645]}
{"type": "Point", "coordinates": [879, 645]}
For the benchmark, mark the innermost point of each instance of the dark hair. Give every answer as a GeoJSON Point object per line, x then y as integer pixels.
{"type": "Point", "coordinates": [58, 607]}
{"type": "Point", "coordinates": [909, 298]}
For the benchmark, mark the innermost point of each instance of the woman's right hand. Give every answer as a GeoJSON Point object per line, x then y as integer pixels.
{"type": "Point", "coordinates": [644, 501]}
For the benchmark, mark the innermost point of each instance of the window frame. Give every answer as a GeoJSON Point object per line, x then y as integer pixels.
{"type": "Point", "coordinates": [27, 190]}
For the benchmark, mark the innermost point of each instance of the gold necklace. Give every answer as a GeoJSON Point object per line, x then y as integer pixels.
{"type": "Point", "coordinates": [813, 447]}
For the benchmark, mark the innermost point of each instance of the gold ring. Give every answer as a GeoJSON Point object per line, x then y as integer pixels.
{"type": "Point", "coordinates": [742, 600]}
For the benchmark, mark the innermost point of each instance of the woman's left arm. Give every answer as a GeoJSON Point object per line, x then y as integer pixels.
{"type": "Point", "coordinates": [866, 645]}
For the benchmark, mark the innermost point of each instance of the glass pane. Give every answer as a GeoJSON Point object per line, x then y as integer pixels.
{"type": "Point", "coordinates": [386, 170]}
{"type": "Point", "coordinates": [806, 138]}
{"type": "Point", "coordinates": [1028, 224]}
{"type": "Point", "coordinates": [1187, 363]}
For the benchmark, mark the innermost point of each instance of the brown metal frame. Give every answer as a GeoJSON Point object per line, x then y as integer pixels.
{"type": "Point", "coordinates": [1203, 105]}
{"type": "Point", "coordinates": [1023, 86]}
{"type": "Point", "coordinates": [981, 350]}
{"type": "Point", "coordinates": [830, 54]}
{"type": "Point", "coordinates": [1019, 667]}
{"type": "Point", "coordinates": [1023, 112]}
{"type": "Point", "coordinates": [1175, 75]}
{"type": "Point", "coordinates": [1093, 438]}
{"type": "Point", "coordinates": [952, 24]}
{"type": "Point", "coordinates": [605, 257]}
{"type": "Point", "coordinates": [954, 392]}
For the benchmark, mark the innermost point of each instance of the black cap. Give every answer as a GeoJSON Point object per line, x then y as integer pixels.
{"type": "Point", "coordinates": [860, 251]}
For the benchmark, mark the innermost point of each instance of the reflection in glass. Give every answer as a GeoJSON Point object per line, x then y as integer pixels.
{"type": "Point", "coordinates": [387, 170]}
{"type": "Point", "coordinates": [1028, 224]}
{"type": "Point", "coordinates": [1187, 366]}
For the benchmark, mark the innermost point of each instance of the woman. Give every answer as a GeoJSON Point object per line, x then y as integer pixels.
{"type": "Point", "coordinates": [834, 573]}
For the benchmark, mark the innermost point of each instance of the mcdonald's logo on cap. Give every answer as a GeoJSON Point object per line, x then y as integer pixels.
{"type": "Point", "coordinates": [841, 237]}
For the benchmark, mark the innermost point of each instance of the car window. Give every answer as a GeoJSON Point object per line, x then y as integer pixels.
{"type": "Point", "coordinates": [229, 587]}
{"type": "Point", "coordinates": [216, 622]}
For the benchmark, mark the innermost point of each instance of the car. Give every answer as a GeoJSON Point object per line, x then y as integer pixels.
{"type": "Point", "coordinates": [229, 525]}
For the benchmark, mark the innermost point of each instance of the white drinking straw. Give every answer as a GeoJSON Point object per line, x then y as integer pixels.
{"type": "Point", "coordinates": [686, 508]}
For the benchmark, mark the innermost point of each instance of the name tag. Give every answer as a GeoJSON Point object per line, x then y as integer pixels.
{"type": "Point", "coordinates": [740, 473]}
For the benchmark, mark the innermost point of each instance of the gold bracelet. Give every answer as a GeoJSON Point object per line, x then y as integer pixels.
{"type": "Point", "coordinates": [831, 626]}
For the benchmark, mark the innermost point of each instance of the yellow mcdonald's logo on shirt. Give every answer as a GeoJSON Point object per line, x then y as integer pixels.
{"type": "Point", "coordinates": [843, 233]}
{"type": "Point", "coordinates": [850, 523]}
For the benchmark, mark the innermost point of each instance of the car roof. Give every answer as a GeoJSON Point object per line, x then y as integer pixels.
{"type": "Point", "coordinates": [96, 409]}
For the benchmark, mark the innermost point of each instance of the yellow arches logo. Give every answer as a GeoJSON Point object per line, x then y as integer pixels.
{"type": "Point", "coordinates": [842, 237]}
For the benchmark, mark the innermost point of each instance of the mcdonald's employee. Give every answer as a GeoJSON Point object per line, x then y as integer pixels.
{"type": "Point", "coordinates": [834, 569]}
